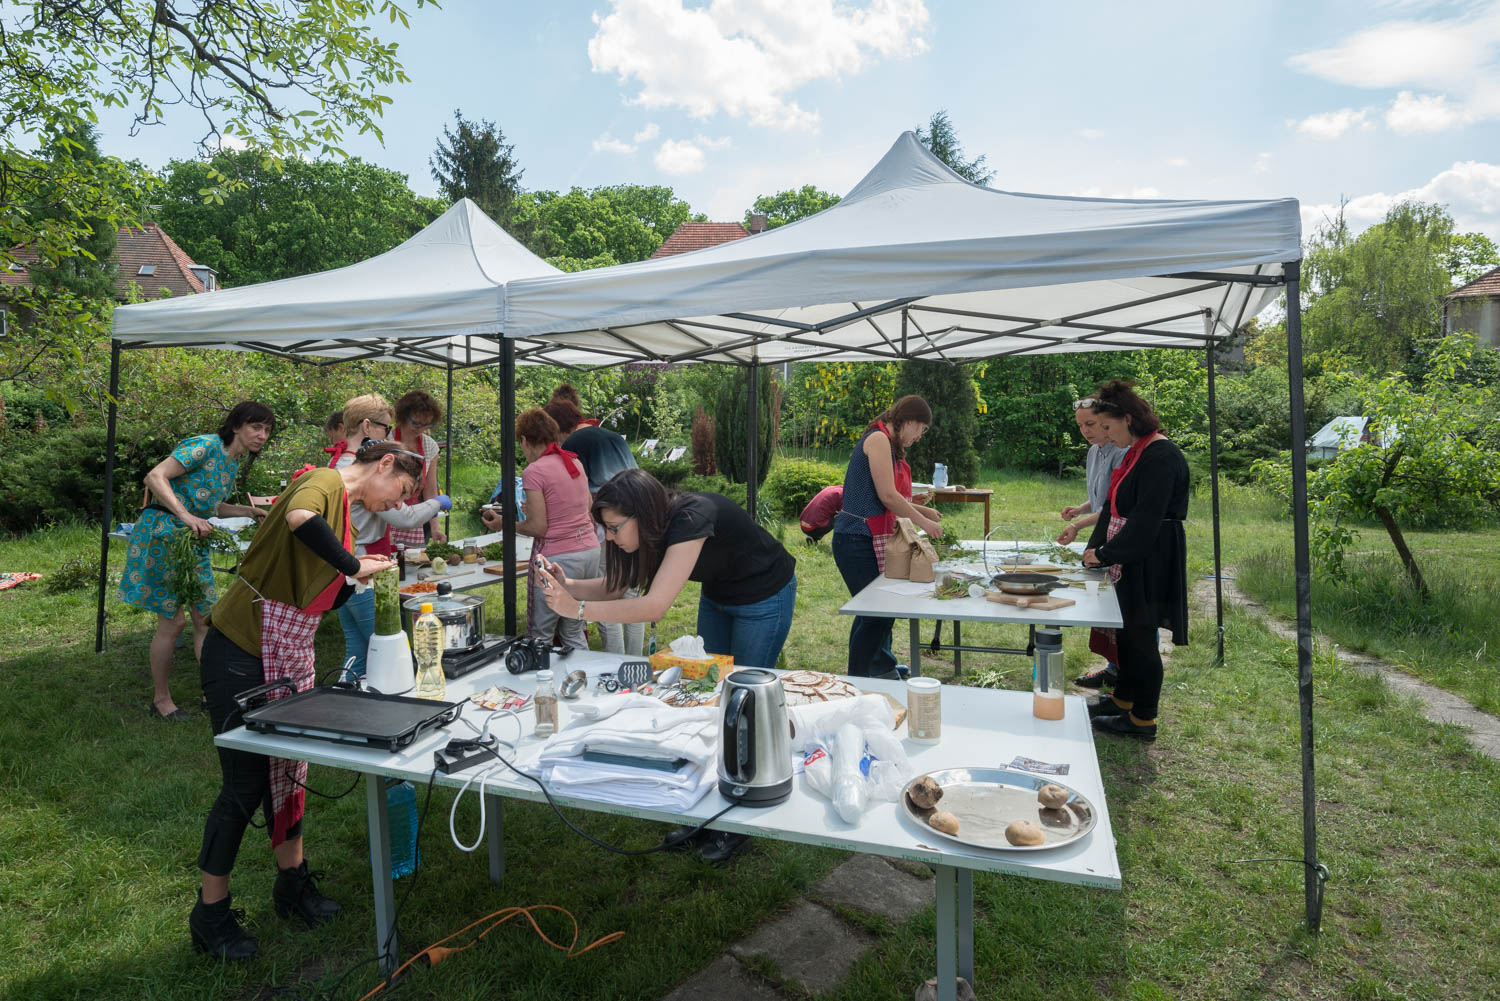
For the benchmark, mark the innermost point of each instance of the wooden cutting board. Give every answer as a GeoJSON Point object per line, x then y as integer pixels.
{"type": "Point", "coordinates": [1030, 601]}
{"type": "Point", "coordinates": [499, 570]}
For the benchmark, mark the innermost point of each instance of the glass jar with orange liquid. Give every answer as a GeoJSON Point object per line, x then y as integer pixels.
{"type": "Point", "coordinates": [1047, 675]}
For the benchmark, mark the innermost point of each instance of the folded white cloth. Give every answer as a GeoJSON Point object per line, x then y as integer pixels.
{"type": "Point", "coordinates": [626, 786]}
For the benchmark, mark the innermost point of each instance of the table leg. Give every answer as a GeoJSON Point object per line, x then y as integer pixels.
{"type": "Point", "coordinates": [947, 970]}
{"type": "Point", "coordinates": [958, 654]}
{"type": "Point", "coordinates": [493, 804]}
{"type": "Point", "coordinates": [966, 925]}
{"type": "Point", "coordinates": [386, 946]}
{"type": "Point", "coordinates": [916, 648]}
{"type": "Point", "coordinates": [986, 514]}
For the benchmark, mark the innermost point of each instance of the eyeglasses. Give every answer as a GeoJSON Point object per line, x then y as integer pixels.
{"type": "Point", "coordinates": [615, 528]}
{"type": "Point", "coordinates": [385, 427]}
{"type": "Point", "coordinates": [1087, 401]}
{"type": "Point", "coordinates": [420, 425]}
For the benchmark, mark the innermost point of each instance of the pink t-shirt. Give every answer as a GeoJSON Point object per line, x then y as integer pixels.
{"type": "Point", "coordinates": [569, 527]}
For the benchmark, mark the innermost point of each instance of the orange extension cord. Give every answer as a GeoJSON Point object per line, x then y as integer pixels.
{"type": "Point", "coordinates": [437, 952]}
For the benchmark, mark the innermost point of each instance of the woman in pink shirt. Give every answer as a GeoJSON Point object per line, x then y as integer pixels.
{"type": "Point", "coordinates": [557, 517]}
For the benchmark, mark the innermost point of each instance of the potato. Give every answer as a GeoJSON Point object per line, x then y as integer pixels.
{"type": "Point", "coordinates": [925, 792]}
{"type": "Point", "coordinates": [1024, 833]}
{"type": "Point", "coordinates": [942, 820]}
{"type": "Point", "coordinates": [1053, 797]}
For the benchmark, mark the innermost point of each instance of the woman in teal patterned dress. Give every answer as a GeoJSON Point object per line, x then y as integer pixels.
{"type": "Point", "coordinates": [186, 489]}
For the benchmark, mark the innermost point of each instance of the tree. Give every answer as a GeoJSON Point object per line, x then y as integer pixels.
{"type": "Point", "coordinates": [90, 272]}
{"type": "Point", "coordinates": [732, 425]}
{"type": "Point", "coordinates": [310, 216]}
{"type": "Point", "coordinates": [1471, 255]}
{"type": "Point", "coordinates": [473, 160]}
{"type": "Point", "coordinates": [791, 205]}
{"type": "Point", "coordinates": [949, 390]}
{"type": "Point", "coordinates": [1430, 461]}
{"type": "Point", "coordinates": [597, 227]}
{"type": "Point", "coordinates": [942, 139]}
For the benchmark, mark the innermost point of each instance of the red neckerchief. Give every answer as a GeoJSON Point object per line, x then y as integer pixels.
{"type": "Point", "coordinates": [1124, 468]}
{"type": "Point", "coordinates": [336, 451]}
{"type": "Point", "coordinates": [885, 523]}
{"type": "Point", "coordinates": [588, 422]}
{"type": "Point", "coordinates": [325, 599]}
{"type": "Point", "coordinates": [570, 459]}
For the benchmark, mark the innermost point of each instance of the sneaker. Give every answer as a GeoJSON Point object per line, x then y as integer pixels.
{"type": "Point", "coordinates": [1124, 726]}
{"type": "Point", "coordinates": [1104, 706]}
{"type": "Point", "coordinates": [680, 839]}
{"type": "Point", "coordinates": [217, 931]}
{"type": "Point", "coordinates": [296, 891]}
{"type": "Point", "coordinates": [722, 847]}
{"type": "Point", "coordinates": [1106, 675]}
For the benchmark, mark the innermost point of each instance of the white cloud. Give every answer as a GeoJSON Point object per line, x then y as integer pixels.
{"type": "Point", "coordinates": [648, 133]}
{"type": "Point", "coordinates": [230, 141]}
{"type": "Point", "coordinates": [747, 57]}
{"type": "Point", "coordinates": [723, 142]}
{"type": "Point", "coordinates": [1332, 124]}
{"type": "Point", "coordinates": [1262, 163]}
{"type": "Point", "coordinates": [1090, 133]}
{"type": "Point", "coordinates": [1177, 161]}
{"type": "Point", "coordinates": [678, 157]}
{"type": "Point", "coordinates": [1447, 70]}
{"type": "Point", "coordinates": [1469, 188]}
{"type": "Point", "coordinates": [604, 144]}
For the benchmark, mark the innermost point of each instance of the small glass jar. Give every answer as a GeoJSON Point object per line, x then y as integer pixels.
{"type": "Point", "coordinates": [471, 551]}
{"type": "Point", "coordinates": [545, 703]}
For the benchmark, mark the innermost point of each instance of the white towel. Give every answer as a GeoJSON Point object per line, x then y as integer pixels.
{"type": "Point", "coordinates": [626, 786]}
{"type": "Point", "coordinates": [640, 727]}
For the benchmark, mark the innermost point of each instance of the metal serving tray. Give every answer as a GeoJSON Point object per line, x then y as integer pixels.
{"type": "Point", "coordinates": [986, 800]}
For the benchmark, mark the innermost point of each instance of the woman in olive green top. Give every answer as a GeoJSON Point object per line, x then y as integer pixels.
{"type": "Point", "coordinates": [298, 567]}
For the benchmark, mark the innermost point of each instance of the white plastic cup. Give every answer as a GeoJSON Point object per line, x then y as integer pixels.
{"type": "Point", "coordinates": [1092, 587]}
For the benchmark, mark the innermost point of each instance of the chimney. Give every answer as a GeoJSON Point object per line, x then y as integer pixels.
{"type": "Point", "coordinates": [758, 222]}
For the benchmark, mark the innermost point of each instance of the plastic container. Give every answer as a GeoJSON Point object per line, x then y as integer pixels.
{"type": "Point", "coordinates": [1047, 675]}
{"type": "Point", "coordinates": [924, 710]}
{"type": "Point", "coordinates": [545, 701]}
{"type": "Point", "coordinates": [427, 644]}
{"type": "Point", "coordinates": [939, 475]}
{"type": "Point", "coordinates": [401, 820]}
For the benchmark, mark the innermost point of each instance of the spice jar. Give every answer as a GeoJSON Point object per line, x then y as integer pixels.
{"type": "Point", "coordinates": [471, 551]}
{"type": "Point", "coordinates": [545, 703]}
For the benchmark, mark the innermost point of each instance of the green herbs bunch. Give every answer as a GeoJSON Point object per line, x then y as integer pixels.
{"type": "Point", "coordinates": [184, 553]}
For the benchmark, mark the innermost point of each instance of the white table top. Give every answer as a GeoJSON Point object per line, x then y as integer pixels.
{"type": "Point", "coordinates": [467, 576]}
{"type": "Point", "coordinates": [981, 728]}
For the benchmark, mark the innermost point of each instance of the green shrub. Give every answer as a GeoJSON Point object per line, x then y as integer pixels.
{"type": "Point", "coordinates": [736, 492]}
{"type": "Point", "coordinates": [59, 475]}
{"type": "Point", "coordinates": [74, 573]}
{"type": "Point", "coordinates": [732, 426]}
{"type": "Point", "coordinates": [949, 391]}
{"type": "Point", "coordinates": [794, 482]}
{"type": "Point", "coordinates": [669, 473]}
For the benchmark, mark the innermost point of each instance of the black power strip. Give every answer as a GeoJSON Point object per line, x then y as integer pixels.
{"type": "Point", "coordinates": [460, 754]}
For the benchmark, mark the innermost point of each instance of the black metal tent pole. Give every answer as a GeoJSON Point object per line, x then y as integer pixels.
{"type": "Point", "coordinates": [448, 449]}
{"type": "Point", "coordinates": [1312, 871]}
{"type": "Point", "coordinates": [109, 490]}
{"type": "Point", "coordinates": [1213, 473]}
{"type": "Point", "coordinates": [752, 432]}
{"type": "Point", "coordinates": [508, 465]}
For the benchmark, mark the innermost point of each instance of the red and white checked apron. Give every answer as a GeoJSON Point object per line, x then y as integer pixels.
{"type": "Point", "coordinates": [1103, 641]}
{"type": "Point", "coordinates": [883, 526]}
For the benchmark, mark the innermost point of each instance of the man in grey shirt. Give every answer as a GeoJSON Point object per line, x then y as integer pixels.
{"type": "Point", "coordinates": [1103, 459]}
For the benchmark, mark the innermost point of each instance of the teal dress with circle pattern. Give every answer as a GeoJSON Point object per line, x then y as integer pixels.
{"type": "Point", "coordinates": [208, 480]}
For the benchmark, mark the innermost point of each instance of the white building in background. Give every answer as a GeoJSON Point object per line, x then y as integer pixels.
{"type": "Point", "coordinates": [1476, 307]}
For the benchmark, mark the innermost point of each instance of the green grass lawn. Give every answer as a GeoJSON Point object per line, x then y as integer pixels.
{"type": "Point", "coordinates": [102, 810]}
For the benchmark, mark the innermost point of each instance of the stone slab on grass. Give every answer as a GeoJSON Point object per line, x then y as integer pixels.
{"type": "Point", "coordinates": [870, 884]}
{"type": "Point", "coordinates": [810, 946]}
{"type": "Point", "coordinates": [724, 980]}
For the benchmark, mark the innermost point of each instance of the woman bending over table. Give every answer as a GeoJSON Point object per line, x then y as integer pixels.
{"type": "Point", "coordinates": [185, 490]}
{"type": "Point", "coordinates": [1139, 537]}
{"type": "Point", "coordinates": [298, 567]}
{"type": "Point", "coordinates": [1103, 459]}
{"type": "Point", "coordinates": [877, 491]}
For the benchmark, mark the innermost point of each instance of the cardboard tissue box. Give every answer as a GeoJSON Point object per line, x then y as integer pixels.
{"type": "Point", "coordinates": [687, 653]}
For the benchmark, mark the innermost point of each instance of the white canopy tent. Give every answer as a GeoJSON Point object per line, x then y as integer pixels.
{"type": "Point", "coordinates": [914, 263]}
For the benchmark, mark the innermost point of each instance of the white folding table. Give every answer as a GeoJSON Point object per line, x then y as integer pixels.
{"type": "Point", "coordinates": [981, 728]}
{"type": "Point", "coordinates": [468, 576]}
{"type": "Point", "coordinates": [884, 598]}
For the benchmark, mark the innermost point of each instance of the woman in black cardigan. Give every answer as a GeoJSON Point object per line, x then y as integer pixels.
{"type": "Point", "coordinates": [1139, 537]}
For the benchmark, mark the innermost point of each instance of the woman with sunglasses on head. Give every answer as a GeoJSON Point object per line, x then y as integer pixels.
{"type": "Point", "coordinates": [1104, 457]}
{"type": "Point", "coordinates": [657, 540]}
{"type": "Point", "coordinates": [1140, 538]}
{"type": "Point", "coordinates": [300, 564]}
{"type": "Point", "coordinates": [557, 517]}
{"type": "Point", "coordinates": [369, 419]}
{"type": "Point", "coordinates": [416, 412]}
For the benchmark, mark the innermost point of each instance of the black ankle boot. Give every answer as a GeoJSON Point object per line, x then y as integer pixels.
{"type": "Point", "coordinates": [296, 892]}
{"type": "Point", "coordinates": [216, 930]}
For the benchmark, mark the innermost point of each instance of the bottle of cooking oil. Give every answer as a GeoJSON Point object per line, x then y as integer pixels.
{"type": "Point", "coordinates": [427, 644]}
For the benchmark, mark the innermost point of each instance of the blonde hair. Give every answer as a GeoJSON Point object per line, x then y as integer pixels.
{"type": "Point", "coordinates": [372, 407]}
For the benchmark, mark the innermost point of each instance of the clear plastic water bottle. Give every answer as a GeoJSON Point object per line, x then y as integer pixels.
{"type": "Point", "coordinates": [401, 819]}
{"type": "Point", "coordinates": [427, 644]}
{"type": "Point", "coordinates": [520, 500]}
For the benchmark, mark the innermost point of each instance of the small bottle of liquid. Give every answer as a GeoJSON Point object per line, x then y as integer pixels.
{"type": "Point", "coordinates": [427, 644]}
{"type": "Point", "coordinates": [1047, 675]}
{"type": "Point", "coordinates": [401, 561]}
{"type": "Point", "coordinates": [545, 701]}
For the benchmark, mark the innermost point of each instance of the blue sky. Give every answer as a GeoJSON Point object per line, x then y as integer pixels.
{"type": "Point", "coordinates": [727, 100]}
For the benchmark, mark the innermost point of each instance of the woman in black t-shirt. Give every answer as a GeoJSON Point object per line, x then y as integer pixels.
{"type": "Point", "coordinates": [658, 541]}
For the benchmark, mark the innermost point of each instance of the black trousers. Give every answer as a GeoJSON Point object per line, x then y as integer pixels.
{"type": "Point", "coordinates": [226, 670]}
{"type": "Point", "coordinates": [1140, 670]}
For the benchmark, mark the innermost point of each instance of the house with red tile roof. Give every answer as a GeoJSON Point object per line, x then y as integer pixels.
{"type": "Point", "coordinates": [144, 255]}
{"type": "Point", "coordinates": [697, 235]}
{"type": "Point", "coordinates": [1476, 307]}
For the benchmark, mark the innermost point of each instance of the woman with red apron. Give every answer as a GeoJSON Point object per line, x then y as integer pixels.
{"type": "Point", "coordinates": [877, 491]}
{"type": "Point", "coordinates": [1140, 538]}
{"type": "Point", "coordinates": [415, 413]}
{"type": "Point", "coordinates": [300, 565]}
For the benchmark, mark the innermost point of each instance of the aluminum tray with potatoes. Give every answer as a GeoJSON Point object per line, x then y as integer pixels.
{"type": "Point", "coordinates": [999, 809]}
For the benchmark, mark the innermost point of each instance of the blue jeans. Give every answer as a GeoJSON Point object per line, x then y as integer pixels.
{"type": "Point", "coordinates": [869, 637]}
{"type": "Point", "coordinates": [752, 634]}
{"type": "Point", "coordinates": [357, 616]}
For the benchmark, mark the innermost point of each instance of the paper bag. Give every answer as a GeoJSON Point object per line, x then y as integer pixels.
{"type": "Point", "coordinates": [923, 562]}
{"type": "Point", "coordinates": [897, 559]}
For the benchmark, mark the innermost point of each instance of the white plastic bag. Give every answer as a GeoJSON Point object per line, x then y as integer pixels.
{"type": "Point", "coordinates": [854, 761]}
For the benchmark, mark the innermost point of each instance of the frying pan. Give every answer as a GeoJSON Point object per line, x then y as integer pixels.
{"type": "Point", "coordinates": [1027, 583]}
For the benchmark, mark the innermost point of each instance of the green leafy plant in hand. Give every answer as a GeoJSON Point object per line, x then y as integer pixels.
{"type": "Point", "coordinates": [185, 552]}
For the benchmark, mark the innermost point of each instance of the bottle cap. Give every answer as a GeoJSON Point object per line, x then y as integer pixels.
{"type": "Point", "coordinates": [426, 607]}
{"type": "Point", "coordinates": [544, 675]}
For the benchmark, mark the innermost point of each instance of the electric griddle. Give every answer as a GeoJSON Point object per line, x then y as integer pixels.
{"type": "Point", "coordinates": [344, 714]}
